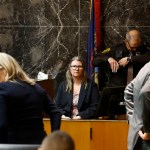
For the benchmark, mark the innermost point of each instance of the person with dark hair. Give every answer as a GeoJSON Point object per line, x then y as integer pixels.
{"type": "Point", "coordinates": [58, 140]}
{"type": "Point", "coordinates": [137, 100]}
{"type": "Point", "coordinates": [78, 96]}
{"type": "Point", "coordinates": [22, 103]}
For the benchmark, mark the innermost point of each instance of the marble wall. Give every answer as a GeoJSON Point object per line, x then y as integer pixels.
{"type": "Point", "coordinates": [44, 34]}
{"type": "Point", "coordinates": [118, 16]}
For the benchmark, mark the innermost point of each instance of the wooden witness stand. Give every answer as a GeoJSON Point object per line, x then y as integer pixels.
{"type": "Point", "coordinates": [90, 134]}
{"type": "Point", "coordinates": [95, 134]}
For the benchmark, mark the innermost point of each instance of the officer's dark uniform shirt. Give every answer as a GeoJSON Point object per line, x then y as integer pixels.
{"type": "Point", "coordinates": [138, 59]}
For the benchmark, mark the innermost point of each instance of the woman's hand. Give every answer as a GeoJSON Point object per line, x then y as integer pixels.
{"type": "Point", "coordinates": [144, 136]}
{"type": "Point", "coordinates": [76, 117]}
{"type": "Point", "coordinates": [63, 117]}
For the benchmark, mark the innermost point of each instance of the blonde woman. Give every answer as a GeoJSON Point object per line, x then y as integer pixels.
{"type": "Point", "coordinates": [22, 103]}
{"type": "Point", "coordinates": [78, 96]}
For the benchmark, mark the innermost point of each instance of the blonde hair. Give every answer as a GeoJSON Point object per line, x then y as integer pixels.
{"type": "Point", "coordinates": [58, 140]}
{"type": "Point", "coordinates": [69, 78]}
{"type": "Point", "coordinates": [13, 69]}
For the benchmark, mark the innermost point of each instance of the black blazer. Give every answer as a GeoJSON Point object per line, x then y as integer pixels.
{"type": "Point", "coordinates": [21, 113]}
{"type": "Point", "coordinates": [87, 104]}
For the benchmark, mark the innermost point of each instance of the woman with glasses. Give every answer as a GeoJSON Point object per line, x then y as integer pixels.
{"type": "Point", "coordinates": [78, 96]}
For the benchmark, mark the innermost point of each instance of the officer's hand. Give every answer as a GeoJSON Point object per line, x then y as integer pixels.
{"type": "Point", "coordinates": [113, 64]}
{"type": "Point", "coordinates": [123, 62]}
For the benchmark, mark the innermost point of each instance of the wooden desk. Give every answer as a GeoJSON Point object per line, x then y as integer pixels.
{"type": "Point", "coordinates": [49, 86]}
{"type": "Point", "coordinates": [95, 134]}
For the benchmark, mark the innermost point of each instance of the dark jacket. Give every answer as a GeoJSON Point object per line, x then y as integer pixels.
{"type": "Point", "coordinates": [87, 104]}
{"type": "Point", "coordinates": [21, 113]}
{"type": "Point", "coordinates": [139, 58]}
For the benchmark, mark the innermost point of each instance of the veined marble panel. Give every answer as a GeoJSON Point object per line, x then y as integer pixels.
{"type": "Point", "coordinates": [118, 16]}
{"type": "Point", "coordinates": [41, 48]}
{"type": "Point", "coordinates": [43, 35]}
{"type": "Point", "coordinates": [85, 7]}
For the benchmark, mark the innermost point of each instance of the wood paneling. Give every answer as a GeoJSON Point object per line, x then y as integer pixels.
{"type": "Point", "coordinates": [49, 86]}
{"type": "Point", "coordinates": [80, 132]}
{"type": "Point", "coordinates": [109, 135]}
{"type": "Point", "coordinates": [95, 134]}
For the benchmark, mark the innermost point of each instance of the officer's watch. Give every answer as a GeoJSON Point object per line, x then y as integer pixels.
{"type": "Point", "coordinates": [129, 59]}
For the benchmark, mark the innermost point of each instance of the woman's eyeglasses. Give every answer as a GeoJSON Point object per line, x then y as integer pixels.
{"type": "Point", "coordinates": [76, 67]}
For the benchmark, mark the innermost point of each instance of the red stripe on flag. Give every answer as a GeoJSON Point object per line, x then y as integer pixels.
{"type": "Point", "coordinates": [98, 23]}
{"type": "Point", "coordinates": [91, 59]}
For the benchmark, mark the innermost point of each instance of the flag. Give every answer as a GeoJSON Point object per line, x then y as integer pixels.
{"type": "Point", "coordinates": [94, 37]}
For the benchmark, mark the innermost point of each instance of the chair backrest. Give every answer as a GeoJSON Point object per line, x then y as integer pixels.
{"type": "Point", "coordinates": [111, 98]}
{"type": "Point", "coordinates": [18, 147]}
